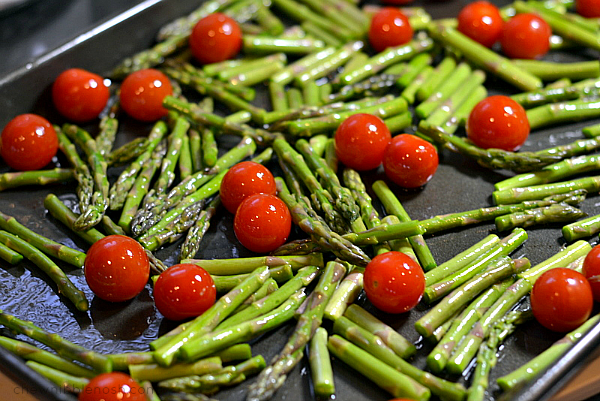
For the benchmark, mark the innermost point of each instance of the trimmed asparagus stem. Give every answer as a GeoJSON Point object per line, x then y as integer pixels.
{"type": "Point", "coordinates": [485, 58]}
{"type": "Point", "coordinates": [461, 260]}
{"type": "Point", "coordinates": [457, 78]}
{"type": "Point", "coordinates": [382, 374]}
{"type": "Point", "coordinates": [44, 263]}
{"type": "Point", "coordinates": [320, 364]}
{"type": "Point", "coordinates": [521, 194]}
{"type": "Point", "coordinates": [392, 205]}
{"type": "Point", "coordinates": [373, 345]}
{"type": "Point", "coordinates": [63, 380]}
{"type": "Point", "coordinates": [46, 245]}
{"type": "Point", "coordinates": [212, 317]}
{"type": "Point", "coordinates": [225, 267]}
{"type": "Point", "coordinates": [281, 274]}
{"type": "Point", "coordinates": [287, 74]}
{"type": "Point", "coordinates": [442, 71]}
{"type": "Point", "coordinates": [556, 113]}
{"type": "Point", "coordinates": [32, 353]}
{"type": "Point", "coordinates": [154, 372]}
{"type": "Point", "coordinates": [498, 269]}
{"type": "Point", "coordinates": [549, 71]}
{"type": "Point", "coordinates": [272, 378]}
{"type": "Point", "coordinates": [529, 370]}
{"type": "Point", "coordinates": [36, 177]}
{"type": "Point", "coordinates": [437, 290]}
{"type": "Point", "coordinates": [582, 228]}
{"type": "Point", "coordinates": [462, 324]}
{"type": "Point", "coordinates": [556, 213]}
{"type": "Point", "coordinates": [64, 348]}
{"type": "Point", "coordinates": [418, 64]}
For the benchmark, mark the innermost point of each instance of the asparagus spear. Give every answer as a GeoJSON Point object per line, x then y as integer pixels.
{"type": "Point", "coordinates": [582, 228]}
{"type": "Point", "coordinates": [61, 212]}
{"type": "Point", "coordinates": [36, 177]}
{"type": "Point", "coordinates": [64, 380]}
{"type": "Point", "coordinates": [64, 348]}
{"type": "Point", "coordinates": [196, 232]}
{"type": "Point", "coordinates": [272, 378]}
{"type": "Point", "coordinates": [556, 213]}
{"type": "Point", "coordinates": [382, 374]}
{"type": "Point", "coordinates": [320, 364]}
{"type": "Point", "coordinates": [63, 283]}
{"type": "Point", "coordinates": [590, 184]}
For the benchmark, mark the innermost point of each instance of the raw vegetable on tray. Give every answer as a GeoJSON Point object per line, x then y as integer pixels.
{"type": "Point", "coordinates": [362, 104]}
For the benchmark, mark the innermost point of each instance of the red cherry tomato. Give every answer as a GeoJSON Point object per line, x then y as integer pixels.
{"type": "Point", "coordinates": [79, 95]}
{"type": "Point", "coordinates": [116, 268]}
{"type": "Point", "coordinates": [389, 28]}
{"type": "Point", "coordinates": [591, 270]}
{"type": "Point", "coordinates": [410, 161]}
{"type": "Point", "coordinates": [215, 38]}
{"type": "Point", "coordinates": [183, 291]}
{"type": "Point", "coordinates": [115, 386]}
{"type": "Point", "coordinates": [588, 8]}
{"type": "Point", "coordinates": [393, 282]}
{"type": "Point", "coordinates": [245, 179]}
{"type": "Point", "coordinates": [142, 94]}
{"type": "Point", "coordinates": [481, 21]}
{"type": "Point", "coordinates": [28, 142]}
{"type": "Point", "coordinates": [361, 140]}
{"type": "Point", "coordinates": [525, 36]}
{"type": "Point", "coordinates": [561, 299]}
{"type": "Point", "coordinates": [498, 122]}
{"type": "Point", "coordinates": [262, 223]}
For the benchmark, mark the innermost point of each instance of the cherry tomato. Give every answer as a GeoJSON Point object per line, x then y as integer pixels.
{"type": "Point", "coordinates": [142, 94]}
{"type": "Point", "coordinates": [591, 270]}
{"type": "Point", "coordinates": [481, 21]}
{"type": "Point", "coordinates": [79, 95]}
{"type": "Point", "coordinates": [28, 142]}
{"type": "Point", "coordinates": [215, 38]}
{"type": "Point", "coordinates": [115, 386]}
{"type": "Point", "coordinates": [393, 282]}
{"type": "Point", "coordinates": [410, 161]}
{"type": "Point", "coordinates": [183, 291]}
{"type": "Point", "coordinates": [116, 268]}
{"type": "Point", "coordinates": [498, 122]}
{"type": "Point", "coordinates": [361, 140]}
{"type": "Point", "coordinates": [262, 223]}
{"type": "Point", "coordinates": [525, 36]}
{"type": "Point", "coordinates": [561, 299]}
{"type": "Point", "coordinates": [389, 28]}
{"type": "Point", "coordinates": [244, 179]}
{"type": "Point", "coordinates": [588, 8]}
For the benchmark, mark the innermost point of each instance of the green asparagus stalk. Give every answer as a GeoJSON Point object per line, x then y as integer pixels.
{"type": "Point", "coordinates": [44, 263]}
{"type": "Point", "coordinates": [126, 153]}
{"type": "Point", "coordinates": [32, 353]}
{"type": "Point", "coordinates": [120, 188]}
{"type": "Point", "coordinates": [225, 267]}
{"type": "Point", "coordinates": [459, 77]}
{"type": "Point", "coordinates": [382, 374]}
{"type": "Point", "coordinates": [556, 213]}
{"type": "Point", "coordinates": [442, 71]}
{"type": "Point", "coordinates": [550, 71]}
{"type": "Point", "coordinates": [462, 324]}
{"type": "Point", "coordinates": [244, 331]}
{"type": "Point", "coordinates": [155, 373]}
{"type": "Point", "coordinates": [46, 245]}
{"type": "Point", "coordinates": [514, 195]}
{"type": "Point", "coordinates": [544, 96]}
{"type": "Point", "coordinates": [61, 379]}
{"type": "Point", "coordinates": [36, 177]}
{"type": "Point", "coordinates": [64, 348]}
{"type": "Point", "coordinates": [582, 228]}
{"type": "Point", "coordinates": [529, 370]}
{"type": "Point", "coordinates": [211, 318]}
{"type": "Point", "coordinates": [320, 365]}
{"type": "Point", "coordinates": [390, 337]}
{"type": "Point", "coordinates": [106, 137]}
{"type": "Point", "coordinates": [272, 378]}
{"type": "Point", "coordinates": [62, 213]}
{"type": "Point", "coordinates": [557, 113]}
{"type": "Point", "coordinates": [196, 232]}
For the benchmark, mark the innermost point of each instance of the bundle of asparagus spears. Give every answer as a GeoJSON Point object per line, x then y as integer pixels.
{"type": "Point", "coordinates": [306, 67]}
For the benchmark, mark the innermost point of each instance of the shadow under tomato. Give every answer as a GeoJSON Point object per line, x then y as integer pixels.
{"type": "Point", "coordinates": [123, 320]}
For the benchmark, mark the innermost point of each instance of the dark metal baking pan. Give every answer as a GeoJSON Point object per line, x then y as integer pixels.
{"type": "Point", "coordinates": [460, 184]}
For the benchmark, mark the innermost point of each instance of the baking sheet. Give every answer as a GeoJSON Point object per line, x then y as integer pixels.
{"type": "Point", "coordinates": [459, 184]}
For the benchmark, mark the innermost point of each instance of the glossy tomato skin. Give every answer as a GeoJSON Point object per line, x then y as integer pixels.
{"type": "Point", "coordinates": [114, 386]}
{"type": "Point", "coordinates": [389, 28]}
{"type": "Point", "coordinates": [183, 291]}
{"type": "Point", "coordinates": [561, 299]}
{"type": "Point", "coordinates": [79, 95]}
{"type": "Point", "coordinates": [28, 142]}
{"type": "Point", "coordinates": [410, 161]}
{"type": "Point", "coordinates": [262, 223]}
{"type": "Point", "coordinates": [215, 38]}
{"type": "Point", "coordinates": [588, 8]}
{"type": "Point", "coordinates": [393, 282]}
{"type": "Point", "coordinates": [481, 21]}
{"type": "Point", "coordinates": [498, 122]}
{"type": "Point", "coordinates": [360, 141]}
{"type": "Point", "coordinates": [245, 179]}
{"type": "Point", "coordinates": [142, 94]}
{"type": "Point", "coordinates": [525, 36]}
{"type": "Point", "coordinates": [591, 271]}
{"type": "Point", "coordinates": [116, 268]}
